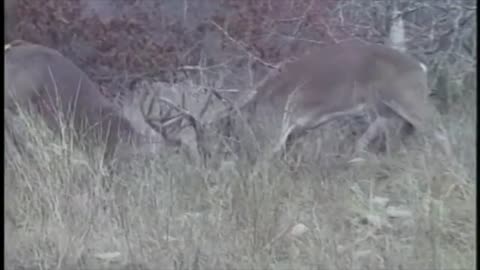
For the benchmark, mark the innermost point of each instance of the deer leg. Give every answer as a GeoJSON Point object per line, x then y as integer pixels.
{"type": "Point", "coordinates": [393, 135]}
{"type": "Point", "coordinates": [288, 136]}
{"type": "Point", "coordinates": [372, 132]}
{"type": "Point", "coordinates": [284, 137]}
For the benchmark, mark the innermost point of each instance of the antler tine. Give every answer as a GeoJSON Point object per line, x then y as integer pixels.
{"type": "Point", "coordinates": [147, 109]}
{"type": "Point", "coordinates": [173, 121]}
{"type": "Point", "coordinates": [196, 124]}
{"type": "Point", "coordinates": [231, 106]}
{"type": "Point", "coordinates": [183, 111]}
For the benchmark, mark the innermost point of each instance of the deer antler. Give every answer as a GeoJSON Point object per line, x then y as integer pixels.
{"type": "Point", "coordinates": [230, 106]}
{"type": "Point", "coordinates": [162, 123]}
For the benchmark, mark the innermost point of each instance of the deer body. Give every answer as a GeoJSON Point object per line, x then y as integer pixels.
{"type": "Point", "coordinates": [38, 75]}
{"type": "Point", "coordinates": [9, 19]}
{"type": "Point", "coordinates": [346, 79]}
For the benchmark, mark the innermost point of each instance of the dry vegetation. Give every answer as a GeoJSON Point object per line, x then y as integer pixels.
{"type": "Point", "coordinates": [413, 210]}
{"type": "Point", "coordinates": [322, 209]}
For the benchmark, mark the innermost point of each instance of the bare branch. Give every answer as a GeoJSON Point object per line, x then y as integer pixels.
{"type": "Point", "coordinates": [242, 46]}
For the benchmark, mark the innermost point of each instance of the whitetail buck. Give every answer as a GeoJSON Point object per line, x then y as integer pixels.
{"type": "Point", "coordinates": [60, 91]}
{"type": "Point", "coordinates": [345, 79]}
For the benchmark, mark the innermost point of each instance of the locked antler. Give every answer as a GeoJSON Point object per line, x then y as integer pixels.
{"type": "Point", "coordinates": [174, 120]}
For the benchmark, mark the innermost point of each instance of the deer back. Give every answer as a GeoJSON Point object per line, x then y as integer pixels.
{"type": "Point", "coordinates": [339, 77]}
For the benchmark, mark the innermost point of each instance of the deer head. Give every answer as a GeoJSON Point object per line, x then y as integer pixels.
{"type": "Point", "coordinates": [35, 74]}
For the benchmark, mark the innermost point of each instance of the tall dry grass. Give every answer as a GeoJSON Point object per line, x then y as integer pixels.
{"type": "Point", "coordinates": [412, 210]}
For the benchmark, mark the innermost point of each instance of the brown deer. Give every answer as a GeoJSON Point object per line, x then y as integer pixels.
{"type": "Point", "coordinates": [60, 91]}
{"type": "Point", "coordinates": [347, 79]}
